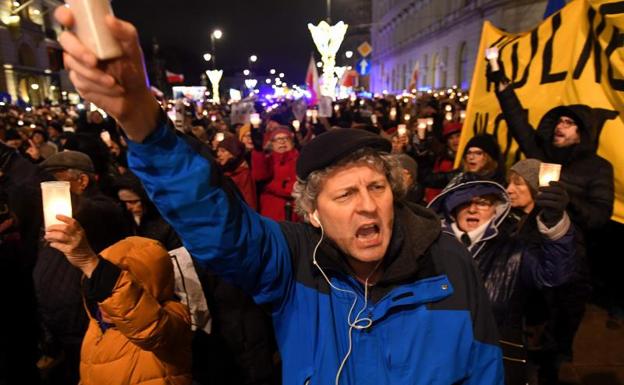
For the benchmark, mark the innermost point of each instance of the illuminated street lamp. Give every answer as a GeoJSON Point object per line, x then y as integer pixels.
{"type": "Point", "coordinates": [251, 83]}
{"type": "Point", "coordinates": [215, 77]}
{"type": "Point", "coordinates": [281, 75]}
{"type": "Point", "coordinates": [217, 34]}
{"type": "Point", "coordinates": [207, 57]}
{"type": "Point", "coordinates": [246, 72]}
{"type": "Point", "coordinates": [328, 40]}
{"type": "Point", "coordinates": [272, 71]}
{"type": "Point", "coordinates": [349, 54]}
{"type": "Point", "coordinates": [253, 58]}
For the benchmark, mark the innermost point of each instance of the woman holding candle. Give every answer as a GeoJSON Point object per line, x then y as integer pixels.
{"type": "Point", "coordinates": [519, 241]}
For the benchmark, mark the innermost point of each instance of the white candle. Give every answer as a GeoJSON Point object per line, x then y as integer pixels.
{"type": "Point", "coordinates": [393, 113]}
{"type": "Point", "coordinates": [421, 128]}
{"type": "Point", "coordinates": [296, 125]}
{"type": "Point", "coordinates": [492, 55]}
{"type": "Point", "coordinates": [254, 119]}
{"type": "Point", "coordinates": [374, 119]}
{"type": "Point", "coordinates": [402, 129]}
{"type": "Point", "coordinates": [56, 200]}
{"type": "Point", "coordinates": [407, 117]}
{"type": "Point", "coordinates": [549, 172]}
{"type": "Point", "coordinates": [91, 28]}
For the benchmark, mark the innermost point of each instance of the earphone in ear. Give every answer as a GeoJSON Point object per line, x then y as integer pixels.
{"type": "Point", "coordinates": [315, 216]}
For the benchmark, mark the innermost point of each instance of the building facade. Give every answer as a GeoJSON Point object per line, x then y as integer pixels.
{"type": "Point", "coordinates": [432, 44]}
{"type": "Point", "coordinates": [31, 58]}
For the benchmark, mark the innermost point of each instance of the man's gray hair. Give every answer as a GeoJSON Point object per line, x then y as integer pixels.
{"type": "Point", "coordinates": [306, 191]}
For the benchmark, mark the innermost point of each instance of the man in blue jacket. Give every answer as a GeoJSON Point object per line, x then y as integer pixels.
{"type": "Point", "coordinates": [370, 292]}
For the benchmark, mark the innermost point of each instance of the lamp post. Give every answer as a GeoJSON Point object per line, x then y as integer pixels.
{"type": "Point", "coordinates": [215, 78]}
{"type": "Point", "coordinates": [251, 61]}
{"type": "Point", "coordinates": [328, 39]}
{"type": "Point", "coordinates": [217, 34]}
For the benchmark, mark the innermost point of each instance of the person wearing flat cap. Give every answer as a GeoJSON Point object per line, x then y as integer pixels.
{"type": "Point", "coordinates": [368, 291]}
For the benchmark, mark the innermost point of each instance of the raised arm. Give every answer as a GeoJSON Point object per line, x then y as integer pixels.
{"type": "Point", "coordinates": [216, 227]}
{"type": "Point", "coordinates": [514, 114]}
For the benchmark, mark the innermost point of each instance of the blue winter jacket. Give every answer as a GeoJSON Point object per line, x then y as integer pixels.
{"type": "Point", "coordinates": [431, 320]}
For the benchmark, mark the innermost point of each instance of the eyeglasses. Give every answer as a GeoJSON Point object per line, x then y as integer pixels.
{"type": "Point", "coordinates": [480, 203]}
{"type": "Point", "coordinates": [281, 139]}
{"type": "Point", "coordinates": [566, 122]}
{"type": "Point", "coordinates": [474, 153]}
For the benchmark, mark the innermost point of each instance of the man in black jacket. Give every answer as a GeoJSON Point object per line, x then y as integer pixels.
{"type": "Point", "coordinates": [57, 282]}
{"type": "Point", "coordinates": [566, 135]}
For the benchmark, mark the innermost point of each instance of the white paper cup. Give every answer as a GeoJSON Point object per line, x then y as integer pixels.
{"type": "Point", "coordinates": [56, 199]}
{"type": "Point", "coordinates": [549, 172]}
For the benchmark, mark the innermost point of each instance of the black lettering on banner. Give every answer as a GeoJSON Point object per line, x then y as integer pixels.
{"type": "Point", "coordinates": [616, 42]}
{"type": "Point", "coordinates": [601, 116]}
{"type": "Point", "coordinates": [548, 77]}
{"type": "Point", "coordinates": [480, 123]}
{"type": "Point", "coordinates": [525, 75]}
{"type": "Point", "coordinates": [591, 42]}
{"type": "Point", "coordinates": [612, 8]}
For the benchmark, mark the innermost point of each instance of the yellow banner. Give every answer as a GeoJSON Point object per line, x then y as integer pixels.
{"type": "Point", "coordinates": [576, 56]}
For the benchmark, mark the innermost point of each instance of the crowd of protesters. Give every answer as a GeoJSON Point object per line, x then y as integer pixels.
{"type": "Point", "coordinates": [96, 300]}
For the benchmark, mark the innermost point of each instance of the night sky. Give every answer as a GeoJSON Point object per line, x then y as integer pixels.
{"type": "Point", "coordinates": [275, 30]}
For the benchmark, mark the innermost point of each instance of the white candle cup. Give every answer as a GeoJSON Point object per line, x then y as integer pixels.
{"type": "Point", "coordinates": [462, 115]}
{"type": "Point", "coordinates": [220, 136]}
{"type": "Point", "coordinates": [402, 129]}
{"type": "Point", "coordinates": [373, 119]}
{"type": "Point", "coordinates": [393, 113]}
{"type": "Point", "coordinates": [429, 124]}
{"type": "Point", "coordinates": [421, 130]}
{"type": "Point", "coordinates": [91, 29]}
{"type": "Point", "coordinates": [407, 117]}
{"type": "Point", "coordinates": [254, 119]}
{"type": "Point", "coordinates": [549, 172]}
{"type": "Point", "coordinates": [296, 125]}
{"type": "Point", "coordinates": [56, 200]}
{"type": "Point", "coordinates": [336, 108]}
{"type": "Point", "coordinates": [448, 116]}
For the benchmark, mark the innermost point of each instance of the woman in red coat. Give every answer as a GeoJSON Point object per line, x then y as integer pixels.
{"type": "Point", "coordinates": [231, 158]}
{"type": "Point", "coordinates": [277, 170]}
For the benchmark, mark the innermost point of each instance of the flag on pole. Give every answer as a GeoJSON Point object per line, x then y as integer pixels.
{"type": "Point", "coordinates": [173, 78]}
{"type": "Point", "coordinates": [312, 81]}
{"type": "Point", "coordinates": [553, 6]}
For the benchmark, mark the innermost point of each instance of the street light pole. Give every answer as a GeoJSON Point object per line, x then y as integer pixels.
{"type": "Point", "coordinates": [214, 53]}
{"type": "Point", "coordinates": [329, 11]}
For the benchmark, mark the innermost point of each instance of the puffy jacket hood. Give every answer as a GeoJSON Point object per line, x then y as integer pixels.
{"type": "Point", "coordinates": [583, 116]}
{"type": "Point", "coordinates": [147, 261]}
{"type": "Point", "coordinates": [464, 187]}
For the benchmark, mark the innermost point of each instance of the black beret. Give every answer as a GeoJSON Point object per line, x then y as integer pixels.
{"type": "Point", "coordinates": [333, 145]}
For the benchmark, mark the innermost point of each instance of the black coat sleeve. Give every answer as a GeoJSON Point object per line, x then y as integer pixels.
{"type": "Point", "coordinates": [518, 123]}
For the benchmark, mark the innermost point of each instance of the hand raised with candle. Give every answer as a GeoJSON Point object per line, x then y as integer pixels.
{"type": "Point", "coordinates": [70, 239]}
{"type": "Point", "coordinates": [118, 86]}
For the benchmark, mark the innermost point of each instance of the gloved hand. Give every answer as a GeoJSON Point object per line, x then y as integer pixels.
{"type": "Point", "coordinates": [552, 200]}
{"type": "Point", "coordinates": [496, 77]}
{"type": "Point", "coordinates": [257, 138]}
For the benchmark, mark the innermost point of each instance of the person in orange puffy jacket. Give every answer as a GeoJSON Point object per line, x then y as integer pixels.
{"type": "Point", "coordinates": [138, 333]}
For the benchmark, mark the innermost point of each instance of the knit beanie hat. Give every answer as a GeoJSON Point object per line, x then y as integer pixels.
{"type": "Point", "coordinates": [528, 169]}
{"type": "Point", "coordinates": [451, 128]}
{"type": "Point", "coordinates": [485, 142]}
{"type": "Point", "coordinates": [334, 145]}
{"type": "Point", "coordinates": [233, 146]}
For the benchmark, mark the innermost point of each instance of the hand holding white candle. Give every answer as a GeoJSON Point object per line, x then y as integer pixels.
{"type": "Point", "coordinates": [56, 200]}
{"type": "Point", "coordinates": [549, 172]}
{"type": "Point", "coordinates": [254, 119]}
{"type": "Point", "coordinates": [492, 55]}
{"type": "Point", "coordinates": [91, 28]}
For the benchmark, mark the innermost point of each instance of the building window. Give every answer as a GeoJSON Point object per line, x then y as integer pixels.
{"type": "Point", "coordinates": [462, 66]}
